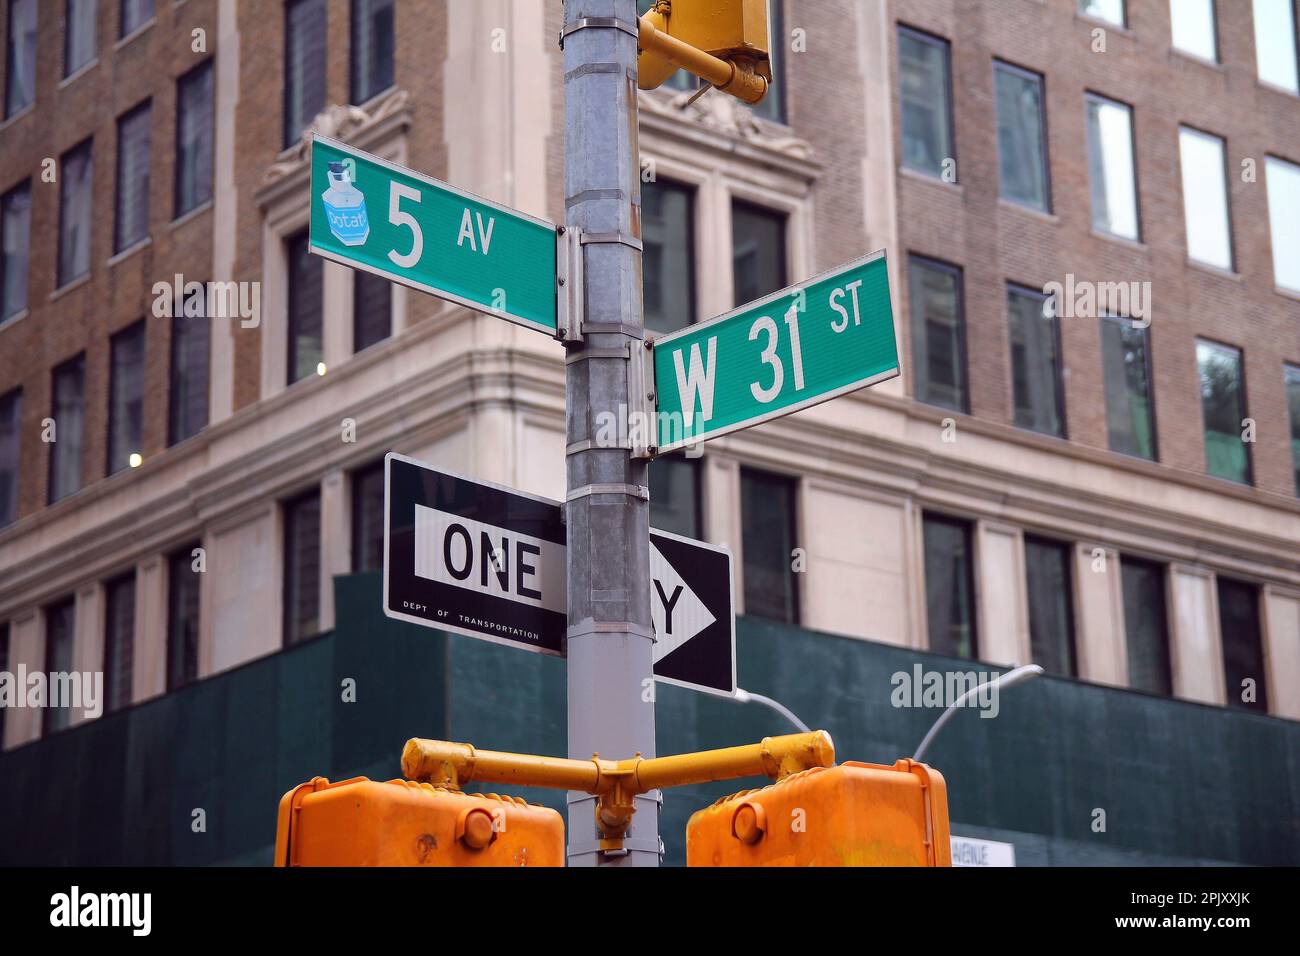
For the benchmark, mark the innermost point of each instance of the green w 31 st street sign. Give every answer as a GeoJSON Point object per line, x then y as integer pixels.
{"type": "Point", "coordinates": [374, 215]}
{"type": "Point", "coordinates": [803, 345]}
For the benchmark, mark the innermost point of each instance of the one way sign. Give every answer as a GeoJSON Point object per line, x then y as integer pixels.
{"type": "Point", "coordinates": [691, 605]}
{"type": "Point", "coordinates": [489, 562]}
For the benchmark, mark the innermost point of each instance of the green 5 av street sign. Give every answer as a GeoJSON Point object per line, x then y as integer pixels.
{"type": "Point", "coordinates": [792, 349]}
{"type": "Point", "coordinates": [371, 214]}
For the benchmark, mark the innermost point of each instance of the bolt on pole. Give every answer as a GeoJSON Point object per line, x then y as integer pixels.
{"type": "Point", "coordinates": [610, 635]}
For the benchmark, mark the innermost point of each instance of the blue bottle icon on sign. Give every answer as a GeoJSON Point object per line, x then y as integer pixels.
{"type": "Point", "coordinates": [345, 208]}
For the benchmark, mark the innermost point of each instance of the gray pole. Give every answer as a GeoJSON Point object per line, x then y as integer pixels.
{"type": "Point", "coordinates": [610, 636]}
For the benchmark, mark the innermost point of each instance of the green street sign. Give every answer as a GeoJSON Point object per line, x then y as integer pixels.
{"type": "Point", "coordinates": [803, 345]}
{"type": "Point", "coordinates": [371, 214]}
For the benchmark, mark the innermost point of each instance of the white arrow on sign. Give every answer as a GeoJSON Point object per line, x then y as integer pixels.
{"type": "Point", "coordinates": [677, 611]}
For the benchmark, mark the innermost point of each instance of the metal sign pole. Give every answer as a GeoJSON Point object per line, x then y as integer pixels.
{"type": "Point", "coordinates": [610, 635]}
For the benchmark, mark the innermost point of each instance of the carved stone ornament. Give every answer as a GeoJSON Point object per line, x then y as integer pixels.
{"type": "Point", "coordinates": [726, 115]}
{"type": "Point", "coordinates": [338, 122]}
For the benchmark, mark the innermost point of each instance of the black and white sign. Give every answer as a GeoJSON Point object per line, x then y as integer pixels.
{"type": "Point", "coordinates": [475, 558]}
{"type": "Point", "coordinates": [472, 557]}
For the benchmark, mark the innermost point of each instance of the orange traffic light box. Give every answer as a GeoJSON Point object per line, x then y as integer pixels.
{"type": "Point", "coordinates": [853, 814]}
{"type": "Point", "coordinates": [362, 822]}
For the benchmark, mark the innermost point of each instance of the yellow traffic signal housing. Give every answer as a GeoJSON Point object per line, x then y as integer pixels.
{"type": "Point", "coordinates": [674, 34]}
{"type": "Point", "coordinates": [853, 814]}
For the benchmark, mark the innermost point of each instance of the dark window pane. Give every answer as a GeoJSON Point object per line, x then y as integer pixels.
{"type": "Point", "coordinates": [1051, 607]}
{"type": "Point", "coordinates": [60, 637]}
{"type": "Point", "coordinates": [675, 495]}
{"type": "Point", "coordinates": [119, 641]}
{"type": "Point", "coordinates": [372, 310]}
{"type": "Point", "coordinates": [1146, 629]}
{"type": "Point", "coordinates": [75, 170]}
{"type": "Point", "coordinates": [11, 417]}
{"type": "Point", "coordinates": [194, 139]}
{"type": "Point", "coordinates": [924, 91]}
{"type": "Point", "coordinates": [301, 567]}
{"type": "Point", "coordinates": [767, 505]}
{"type": "Point", "coordinates": [1293, 401]}
{"type": "Point", "coordinates": [306, 290]}
{"type": "Point", "coordinates": [1035, 366]}
{"type": "Point", "coordinates": [372, 48]}
{"type": "Point", "coordinates": [757, 251]}
{"type": "Point", "coordinates": [79, 35]}
{"type": "Point", "coordinates": [20, 56]}
{"type": "Point", "coordinates": [1124, 365]}
{"type": "Point", "coordinates": [187, 411]}
{"type": "Point", "coordinates": [1223, 409]}
{"type": "Point", "coordinates": [668, 260]}
{"type": "Point", "coordinates": [773, 104]}
{"type": "Point", "coordinates": [135, 14]}
{"type": "Point", "coordinates": [1243, 649]}
{"type": "Point", "coordinates": [4, 666]}
{"type": "Point", "coordinates": [182, 619]}
{"type": "Point", "coordinates": [1022, 146]}
{"type": "Point", "coordinates": [938, 335]}
{"type": "Point", "coordinates": [304, 66]}
{"type": "Point", "coordinates": [368, 518]}
{"type": "Point", "coordinates": [126, 397]}
{"type": "Point", "coordinates": [950, 587]}
{"type": "Point", "coordinates": [68, 409]}
{"type": "Point", "coordinates": [15, 234]}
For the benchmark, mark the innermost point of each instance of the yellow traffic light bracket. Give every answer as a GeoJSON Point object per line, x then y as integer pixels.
{"type": "Point", "coordinates": [615, 783]}
{"type": "Point", "coordinates": [724, 42]}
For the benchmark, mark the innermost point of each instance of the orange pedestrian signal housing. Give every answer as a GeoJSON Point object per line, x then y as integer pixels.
{"type": "Point", "coordinates": [852, 814]}
{"type": "Point", "coordinates": [362, 822]}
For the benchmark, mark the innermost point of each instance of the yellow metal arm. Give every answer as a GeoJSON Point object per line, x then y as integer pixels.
{"type": "Point", "coordinates": [616, 783]}
{"type": "Point", "coordinates": [736, 77]}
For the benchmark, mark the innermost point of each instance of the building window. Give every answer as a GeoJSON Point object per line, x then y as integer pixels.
{"type": "Point", "coordinates": [132, 223]}
{"type": "Point", "coordinates": [182, 619]}
{"type": "Point", "coordinates": [135, 14]}
{"type": "Point", "coordinates": [187, 406]}
{"type": "Point", "coordinates": [76, 168]}
{"type": "Point", "coordinates": [1275, 43]}
{"type": "Point", "coordinates": [301, 567]}
{"type": "Point", "coordinates": [4, 667]}
{"type": "Point", "coordinates": [925, 101]}
{"type": "Point", "coordinates": [767, 506]}
{"type": "Point", "coordinates": [1284, 220]}
{"type": "Point", "coordinates": [15, 237]}
{"type": "Point", "coordinates": [1126, 374]}
{"type": "Point", "coordinates": [773, 105]}
{"type": "Point", "coordinates": [193, 185]}
{"type": "Point", "coordinates": [675, 495]}
{"type": "Point", "coordinates": [1192, 23]}
{"type": "Point", "coordinates": [20, 56]}
{"type": "Point", "coordinates": [306, 278]}
{"type": "Point", "coordinates": [950, 586]}
{"type": "Point", "coordinates": [1243, 648]}
{"type": "Point", "coordinates": [60, 638]}
{"type": "Point", "coordinates": [1035, 362]}
{"type": "Point", "coordinates": [68, 409]}
{"type": "Point", "coordinates": [11, 417]}
{"type": "Point", "coordinates": [1292, 398]}
{"type": "Point", "coordinates": [304, 66]}
{"type": "Point", "coordinates": [1022, 137]}
{"type": "Point", "coordinates": [372, 309]}
{"type": "Point", "coordinates": [668, 259]}
{"type": "Point", "coordinates": [758, 258]}
{"type": "Point", "coordinates": [126, 398]}
{"type": "Point", "coordinates": [368, 518]}
{"type": "Point", "coordinates": [119, 641]}
{"type": "Point", "coordinates": [1112, 170]}
{"type": "Point", "coordinates": [1223, 410]}
{"type": "Point", "coordinates": [1112, 11]}
{"type": "Point", "coordinates": [372, 48]}
{"type": "Point", "coordinates": [937, 305]}
{"type": "Point", "coordinates": [1051, 605]}
{"type": "Point", "coordinates": [79, 35]}
{"type": "Point", "coordinates": [1205, 197]}
{"type": "Point", "coordinates": [1146, 628]}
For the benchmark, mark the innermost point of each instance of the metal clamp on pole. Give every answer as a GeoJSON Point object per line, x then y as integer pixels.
{"type": "Point", "coordinates": [569, 284]}
{"type": "Point", "coordinates": [642, 422]}
{"type": "Point", "coordinates": [597, 23]}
